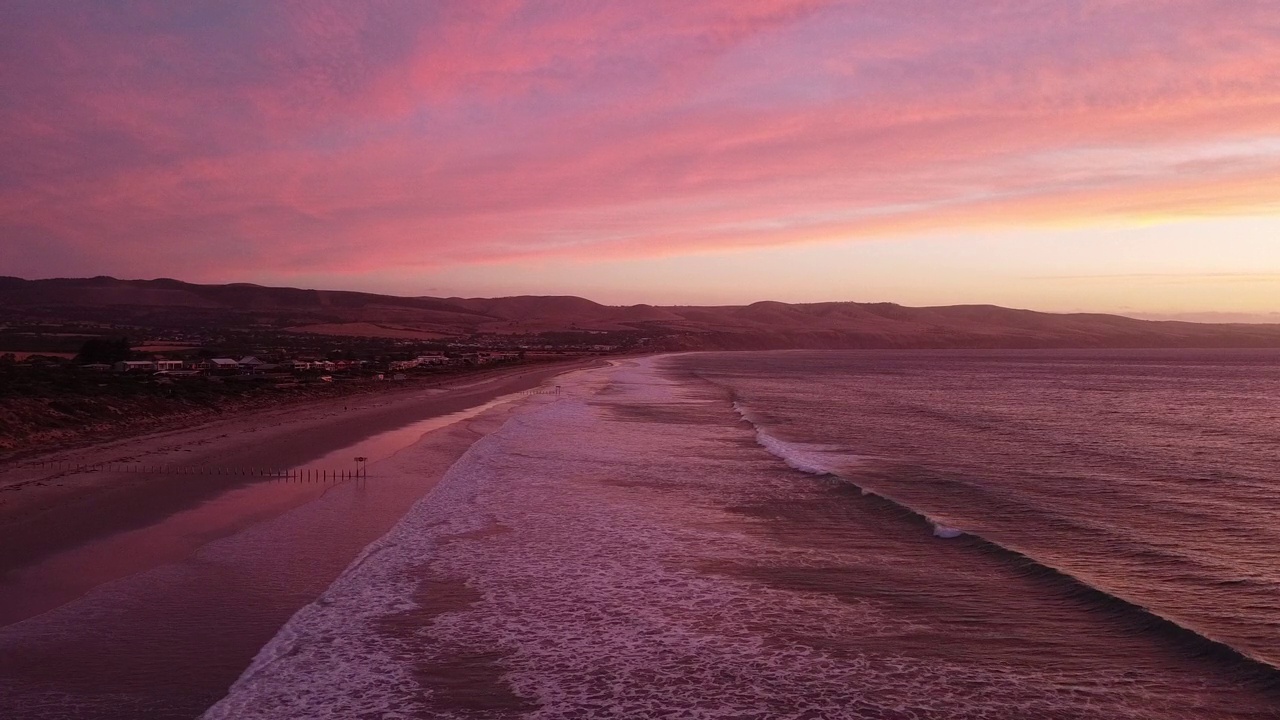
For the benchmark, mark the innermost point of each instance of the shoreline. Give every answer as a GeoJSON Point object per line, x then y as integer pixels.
{"type": "Point", "coordinates": [168, 642]}
{"type": "Point", "coordinates": [44, 516]}
{"type": "Point", "coordinates": [96, 432]}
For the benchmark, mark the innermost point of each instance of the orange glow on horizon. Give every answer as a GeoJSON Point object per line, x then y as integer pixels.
{"type": "Point", "coordinates": [356, 143]}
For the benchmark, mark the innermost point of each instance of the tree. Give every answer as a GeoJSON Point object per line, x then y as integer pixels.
{"type": "Point", "coordinates": [104, 350]}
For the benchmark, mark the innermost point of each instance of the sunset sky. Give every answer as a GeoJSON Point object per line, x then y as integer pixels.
{"type": "Point", "coordinates": [1060, 155]}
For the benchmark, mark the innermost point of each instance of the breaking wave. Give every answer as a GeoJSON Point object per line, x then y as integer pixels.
{"type": "Point", "coordinates": [807, 459]}
{"type": "Point", "coordinates": [804, 460]}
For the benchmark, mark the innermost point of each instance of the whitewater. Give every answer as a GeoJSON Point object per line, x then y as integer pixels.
{"type": "Point", "coordinates": [755, 535]}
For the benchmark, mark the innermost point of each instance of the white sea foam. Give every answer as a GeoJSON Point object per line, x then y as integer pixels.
{"type": "Point", "coordinates": [606, 570]}
{"type": "Point", "coordinates": [944, 531]}
{"type": "Point", "coordinates": [816, 460]}
{"type": "Point", "coordinates": [807, 458]}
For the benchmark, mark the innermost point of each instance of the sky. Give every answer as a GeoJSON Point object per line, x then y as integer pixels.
{"type": "Point", "coordinates": [1059, 155]}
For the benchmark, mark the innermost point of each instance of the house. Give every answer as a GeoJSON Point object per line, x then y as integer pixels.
{"type": "Point", "coordinates": [250, 363]}
{"type": "Point", "coordinates": [134, 366]}
{"type": "Point", "coordinates": [167, 365]}
{"type": "Point", "coordinates": [223, 364]}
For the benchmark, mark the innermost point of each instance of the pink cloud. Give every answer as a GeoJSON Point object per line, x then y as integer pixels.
{"type": "Point", "coordinates": [339, 137]}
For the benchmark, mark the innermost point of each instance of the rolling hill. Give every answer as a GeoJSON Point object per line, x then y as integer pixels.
{"type": "Point", "coordinates": [169, 303]}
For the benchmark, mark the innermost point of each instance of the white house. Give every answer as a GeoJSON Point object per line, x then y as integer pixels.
{"type": "Point", "coordinates": [133, 366]}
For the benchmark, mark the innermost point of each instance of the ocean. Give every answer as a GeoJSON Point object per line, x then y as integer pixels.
{"type": "Point", "coordinates": [1052, 534]}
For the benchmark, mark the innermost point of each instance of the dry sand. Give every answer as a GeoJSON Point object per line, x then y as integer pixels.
{"type": "Point", "coordinates": [63, 533]}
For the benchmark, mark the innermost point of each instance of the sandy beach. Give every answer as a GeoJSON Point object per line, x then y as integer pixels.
{"type": "Point", "coordinates": [44, 512]}
{"type": "Point", "coordinates": [66, 538]}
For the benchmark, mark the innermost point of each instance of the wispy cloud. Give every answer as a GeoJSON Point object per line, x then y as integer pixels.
{"type": "Point", "coordinates": [216, 140]}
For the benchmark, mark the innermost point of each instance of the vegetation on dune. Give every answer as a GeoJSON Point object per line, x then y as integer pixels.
{"type": "Point", "coordinates": [42, 405]}
{"type": "Point", "coordinates": [104, 350]}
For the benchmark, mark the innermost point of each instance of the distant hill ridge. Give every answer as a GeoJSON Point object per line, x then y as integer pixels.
{"type": "Point", "coordinates": [763, 325]}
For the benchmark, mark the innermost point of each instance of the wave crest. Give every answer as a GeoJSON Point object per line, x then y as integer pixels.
{"type": "Point", "coordinates": [1198, 642]}
{"type": "Point", "coordinates": [793, 454]}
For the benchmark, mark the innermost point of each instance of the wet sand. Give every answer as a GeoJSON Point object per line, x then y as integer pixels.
{"type": "Point", "coordinates": [156, 606]}
{"type": "Point", "coordinates": [72, 531]}
{"type": "Point", "coordinates": [43, 513]}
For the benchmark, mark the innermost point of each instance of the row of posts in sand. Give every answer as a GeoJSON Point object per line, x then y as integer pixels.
{"type": "Point", "coordinates": [299, 474]}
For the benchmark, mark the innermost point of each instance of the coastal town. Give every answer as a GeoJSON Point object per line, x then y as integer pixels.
{"type": "Point", "coordinates": [267, 354]}
{"type": "Point", "coordinates": [251, 365]}
{"type": "Point", "coordinates": [59, 382]}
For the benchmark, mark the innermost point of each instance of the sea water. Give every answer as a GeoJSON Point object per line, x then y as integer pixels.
{"type": "Point", "coordinates": [826, 535]}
